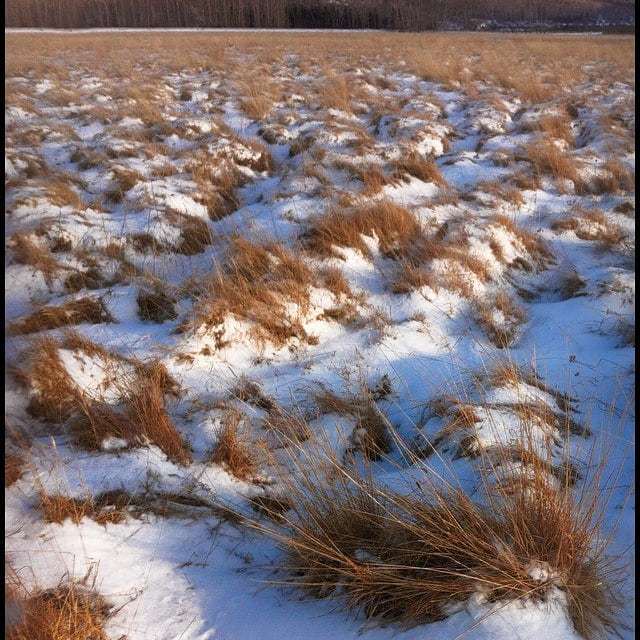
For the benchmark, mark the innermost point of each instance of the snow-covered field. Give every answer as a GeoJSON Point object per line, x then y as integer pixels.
{"type": "Point", "coordinates": [280, 228]}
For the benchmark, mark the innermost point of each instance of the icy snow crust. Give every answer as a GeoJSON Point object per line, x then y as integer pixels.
{"type": "Point", "coordinates": [202, 578]}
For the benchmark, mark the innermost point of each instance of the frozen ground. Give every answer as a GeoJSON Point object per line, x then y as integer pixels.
{"type": "Point", "coordinates": [192, 575]}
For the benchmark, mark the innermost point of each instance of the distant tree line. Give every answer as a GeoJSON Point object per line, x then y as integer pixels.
{"type": "Point", "coordinates": [413, 15]}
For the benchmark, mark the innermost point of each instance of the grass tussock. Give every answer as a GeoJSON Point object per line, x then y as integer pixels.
{"type": "Point", "coordinates": [232, 452]}
{"type": "Point", "coordinates": [373, 433]}
{"type": "Point", "coordinates": [69, 611]}
{"type": "Point", "coordinates": [156, 306]}
{"type": "Point", "coordinates": [140, 418]}
{"type": "Point", "coordinates": [531, 243]}
{"type": "Point", "coordinates": [124, 179]}
{"type": "Point", "coordinates": [256, 101]}
{"type": "Point", "coordinates": [393, 225]}
{"type": "Point", "coordinates": [74, 312]}
{"type": "Point", "coordinates": [27, 252]}
{"type": "Point", "coordinates": [195, 235]}
{"type": "Point", "coordinates": [409, 557]}
{"type": "Point", "coordinates": [13, 468]}
{"type": "Point", "coordinates": [143, 418]}
{"type": "Point", "coordinates": [614, 177]}
{"type": "Point", "coordinates": [53, 394]}
{"type": "Point", "coordinates": [57, 508]}
{"type": "Point", "coordinates": [500, 319]}
{"type": "Point", "coordinates": [425, 169]}
{"type": "Point", "coordinates": [287, 425]}
{"type": "Point", "coordinates": [60, 193]}
{"type": "Point", "coordinates": [548, 159]}
{"type": "Point", "coordinates": [591, 225]}
{"type": "Point", "coordinates": [257, 284]}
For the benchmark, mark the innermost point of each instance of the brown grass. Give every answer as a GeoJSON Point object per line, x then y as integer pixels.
{"type": "Point", "coordinates": [57, 508]}
{"type": "Point", "coordinates": [591, 225]}
{"type": "Point", "coordinates": [13, 468]}
{"type": "Point", "coordinates": [255, 284]}
{"type": "Point", "coordinates": [424, 169]}
{"type": "Point", "coordinates": [61, 194]}
{"type": "Point", "coordinates": [231, 452]}
{"type": "Point", "coordinates": [251, 392]}
{"type": "Point", "coordinates": [532, 243]}
{"type": "Point", "coordinates": [66, 612]}
{"type": "Point", "coordinates": [548, 159]}
{"type": "Point", "coordinates": [256, 100]}
{"type": "Point", "coordinates": [395, 227]}
{"type": "Point", "coordinates": [195, 235]}
{"type": "Point", "coordinates": [373, 433]}
{"type": "Point", "coordinates": [615, 178]}
{"type": "Point", "coordinates": [53, 394]}
{"type": "Point", "coordinates": [124, 179]}
{"type": "Point", "coordinates": [87, 158]}
{"type": "Point", "coordinates": [502, 334]}
{"type": "Point", "coordinates": [26, 251]}
{"type": "Point", "coordinates": [156, 306]}
{"type": "Point", "coordinates": [89, 310]}
{"type": "Point", "coordinates": [336, 93]}
{"type": "Point", "coordinates": [407, 557]}
{"type": "Point", "coordinates": [144, 419]}
{"type": "Point", "coordinates": [287, 425]}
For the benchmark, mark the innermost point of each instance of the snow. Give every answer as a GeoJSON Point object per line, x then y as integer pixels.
{"type": "Point", "coordinates": [198, 577]}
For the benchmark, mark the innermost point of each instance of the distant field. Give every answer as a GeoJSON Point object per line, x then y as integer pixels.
{"type": "Point", "coordinates": [329, 334]}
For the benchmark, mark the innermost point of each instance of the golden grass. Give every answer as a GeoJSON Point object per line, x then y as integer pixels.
{"type": "Point", "coordinates": [424, 169]}
{"type": "Point", "coordinates": [407, 557]}
{"type": "Point", "coordinates": [141, 418]}
{"type": "Point", "coordinates": [591, 225]}
{"type": "Point", "coordinates": [373, 433]}
{"type": "Point", "coordinates": [288, 425]}
{"type": "Point", "coordinates": [393, 225]}
{"type": "Point", "coordinates": [232, 452]}
{"type": "Point", "coordinates": [439, 56]}
{"type": "Point", "coordinates": [532, 243]}
{"type": "Point", "coordinates": [257, 99]}
{"type": "Point", "coordinates": [26, 251]}
{"type": "Point", "coordinates": [73, 312]}
{"type": "Point", "coordinates": [255, 284]}
{"type": "Point", "coordinates": [547, 158]}
{"type": "Point", "coordinates": [61, 194]}
{"type": "Point", "coordinates": [144, 419]}
{"type": "Point", "coordinates": [124, 179]}
{"type": "Point", "coordinates": [57, 508]}
{"type": "Point", "coordinates": [503, 331]}
{"type": "Point", "coordinates": [66, 612]}
{"type": "Point", "coordinates": [615, 178]}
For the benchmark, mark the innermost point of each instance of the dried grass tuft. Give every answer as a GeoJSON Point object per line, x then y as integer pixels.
{"type": "Point", "coordinates": [83, 310]}
{"type": "Point", "coordinates": [232, 452]}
